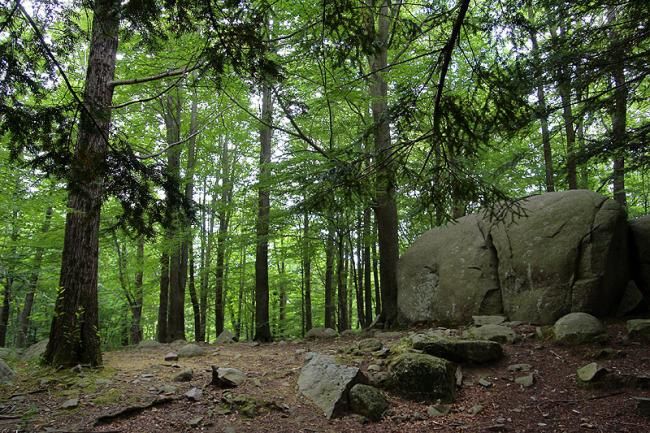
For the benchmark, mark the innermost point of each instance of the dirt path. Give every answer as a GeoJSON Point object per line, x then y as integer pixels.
{"type": "Point", "coordinates": [269, 402]}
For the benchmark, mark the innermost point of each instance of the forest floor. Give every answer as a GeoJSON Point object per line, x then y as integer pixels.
{"type": "Point", "coordinates": [136, 377]}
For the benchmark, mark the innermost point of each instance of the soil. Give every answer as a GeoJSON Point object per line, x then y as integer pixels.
{"type": "Point", "coordinates": [268, 401]}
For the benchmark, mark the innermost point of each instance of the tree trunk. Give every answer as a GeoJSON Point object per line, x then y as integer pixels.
{"type": "Point", "coordinates": [564, 89]}
{"type": "Point", "coordinates": [262, 323]}
{"type": "Point", "coordinates": [329, 276]}
{"type": "Point", "coordinates": [24, 318]}
{"type": "Point", "coordinates": [224, 222]}
{"type": "Point", "coordinates": [74, 334]}
{"type": "Point", "coordinates": [188, 238]}
{"type": "Point", "coordinates": [367, 269]}
{"type": "Point", "coordinates": [138, 295]}
{"type": "Point", "coordinates": [306, 263]}
{"type": "Point", "coordinates": [177, 256]}
{"type": "Point", "coordinates": [240, 296]}
{"type": "Point", "coordinates": [619, 112]}
{"type": "Point", "coordinates": [386, 207]}
{"type": "Point", "coordinates": [542, 111]}
{"type": "Point", "coordinates": [375, 271]}
{"type": "Point", "coordinates": [282, 294]}
{"type": "Point", "coordinates": [341, 284]}
{"type": "Point", "coordinates": [162, 333]}
{"type": "Point", "coordinates": [357, 277]}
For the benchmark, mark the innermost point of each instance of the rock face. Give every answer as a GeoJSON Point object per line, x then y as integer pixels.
{"type": "Point", "coordinates": [578, 328]}
{"type": "Point", "coordinates": [566, 253]}
{"type": "Point", "coordinates": [422, 376]}
{"type": "Point", "coordinates": [473, 351]}
{"type": "Point", "coordinates": [6, 373]}
{"type": "Point", "coordinates": [327, 383]}
{"type": "Point", "coordinates": [640, 240]}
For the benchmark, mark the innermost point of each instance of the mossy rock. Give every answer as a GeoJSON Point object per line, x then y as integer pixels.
{"type": "Point", "coordinates": [420, 376]}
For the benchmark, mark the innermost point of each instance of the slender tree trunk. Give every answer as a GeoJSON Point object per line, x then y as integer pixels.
{"type": "Point", "coordinates": [138, 295]}
{"type": "Point", "coordinates": [74, 334]}
{"type": "Point", "coordinates": [357, 277]}
{"type": "Point", "coordinates": [262, 322]}
{"type": "Point", "coordinates": [619, 112]}
{"type": "Point", "coordinates": [375, 272]}
{"type": "Point", "coordinates": [367, 269]}
{"type": "Point", "coordinates": [542, 111]}
{"type": "Point", "coordinates": [341, 284]}
{"type": "Point", "coordinates": [162, 333]}
{"type": "Point", "coordinates": [24, 319]}
{"type": "Point", "coordinates": [386, 206]}
{"type": "Point", "coordinates": [242, 281]}
{"type": "Point", "coordinates": [282, 294]}
{"type": "Point", "coordinates": [329, 276]}
{"type": "Point", "coordinates": [224, 222]}
{"type": "Point", "coordinates": [306, 263]}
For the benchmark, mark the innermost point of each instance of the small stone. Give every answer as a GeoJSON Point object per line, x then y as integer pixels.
{"type": "Point", "coordinates": [374, 367]}
{"type": "Point", "coordinates": [520, 367]}
{"type": "Point", "coordinates": [459, 376]}
{"type": "Point", "coordinates": [484, 383]}
{"type": "Point", "coordinates": [184, 376]}
{"type": "Point", "coordinates": [590, 372]}
{"type": "Point", "coordinates": [525, 381]}
{"type": "Point", "coordinates": [195, 422]}
{"type": "Point", "coordinates": [382, 353]}
{"type": "Point", "coordinates": [227, 377]}
{"type": "Point", "coordinates": [370, 345]}
{"type": "Point", "coordinates": [191, 350]}
{"type": "Point", "coordinates": [438, 410]}
{"type": "Point", "coordinates": [70, 404]}
{"type": "Point", "coordinates": [474, 410]}
{"type": "Point", "coordinates": [171, 356]}
{"type": "Point", "coordinates": [194, 394]}
{"type": "Point", "coordinates": [166, 389]}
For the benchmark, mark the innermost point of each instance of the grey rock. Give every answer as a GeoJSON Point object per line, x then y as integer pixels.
{"type": "Point", "coordinates": [374, 367]}
{"type": "Point", "coordinates": [578, 328]}
{"type": "Point", "coordinates": [167, 389]}
{"type": "Point", "coordinates": [370, 345]}
{"type": "Point", "coordinates": [526, 381]}
{"type": "Point", "coordinates": [497, 333]}
{"type": "Point", "coordinates": [227, 377]}
{"type": "Point", "coordinates": [418, 375]}
{"type": "Point", "coordinates": [640, 240]}
{"type": "Point", "coordinates": [488, 320]}
{"type": "Point", "coordinates": [7, 353]}
{"type": "Point", "coordinates": [70, 404]}
{"type": "Point", "coordinates": [568, 253]}
{"type": "Point", "coordinates": [6, 373]}
{"type": "Point", "coordinates": [368, 401]}
{"type": "Point", "coordinates": [194, 394]}
{"type": "Point", "coordinates": [484, 382]}
{"type": "Point", "coordinates": [171, 356]}
{"type": "Point", "coordinates": [226, 337]}
{"type": "Point", "coordinates": [475, 410]}
{"type": "Point", "coordinates": [148, 344]}
{"type": "Point", "coordinates": [321, 333]}
{"type": "Point", "coordinates": [195, 422]}
{"type": "Point", "coordinates": [191, 350]}
{"type": "Point", "coordinates": [474, 351]}
{"type": "Point", "coordinates": [35, 351]}
{"type": "Point", "coordinates": [379, 379]}
{"type": "Point", "coordinates": [590, 372]}
{"type": "Point", "coordinates": [438, 410]}
{"type": "Point", "coordinates": [184, 376]}
{"type": "Point", "coordinates": [639, 329]}
{"type": "Point", "coordinates": [327, 383]}
{"type": "Point", "coordinates": [632, 300]}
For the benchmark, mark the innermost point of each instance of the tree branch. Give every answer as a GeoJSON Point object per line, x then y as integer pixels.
{"type": "Point", "coordinates": [171, 73]}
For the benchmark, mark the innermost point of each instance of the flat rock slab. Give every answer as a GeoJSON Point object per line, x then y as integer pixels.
{"type": "Point", "coordinates": [327, 383]}
{"type": "Point", "coordinates": [227, 377]}
{"type": "Point", "coordinates": [498, 333]}
{"type": "Point", "coordinates": [488, 320]}
{"type": "Point", "coordinates": [578, 328]}
{"type": "Point", "coordinates": [474, 351]}
{"type": "Point", "coordinates": [171, 356]}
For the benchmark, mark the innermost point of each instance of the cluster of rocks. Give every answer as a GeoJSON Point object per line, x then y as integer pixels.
{"type": "Point", "coordinates": [571, 251]}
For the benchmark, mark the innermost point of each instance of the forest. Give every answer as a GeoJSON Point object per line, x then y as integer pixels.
{"type": "Point", "coordinates": [171, 169]}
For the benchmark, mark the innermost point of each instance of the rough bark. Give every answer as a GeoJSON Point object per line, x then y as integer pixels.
{"type": "Point", "coordinates": [262, 323]}
{"type": "Point", "coordinates": [138, 294]}
{"type": "Point", "coordinates": [24, 319]}
{"type": "Point", "coordinates": [74, 334]}
{"type": "Point", "coordinates": [224, 222]}
{"type": "Point", "coordinates": [306, 264]}
{"type": "Point", "coordinates": [341, 284]}
{"type": "Point", "coordinates": [329, 276]}
{"type": "Point", "coordinates": [162, 333]}
{"type": "Point", "coordinates": [188, 239]}
{"type": "Point", "coordinates": [619, 112]}
{"type": "Point", "coordinates": [367, 269]}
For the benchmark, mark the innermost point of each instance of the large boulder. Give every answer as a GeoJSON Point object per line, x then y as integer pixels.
{"type": "Point", "coordinates": [640, 242]}
{"type": "Point", "coordinates": [449, 274]}
{"type": "Point", "coordinates": [578, 328]}
{"type": "Point", "coordinates": [563, 252]}
{"type": "Point", "coordinates": [421, 376]}
{"type": "Point", "coordinates": [35, 351]}
{"type": "Point", "coordinates": [226, 337]}
{"type": "Point", "coordinates": [327, 383]}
